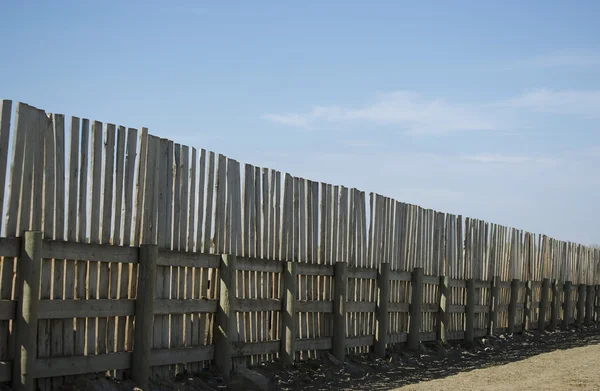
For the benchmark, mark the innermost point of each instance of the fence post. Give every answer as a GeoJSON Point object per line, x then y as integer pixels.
{"type": "Point", "coordinates": [382, 314]}
{"type": "Point", "coordinates": [596, 304]}
{"type": "Point", "coordinates": [590, 300]}
{"type": "Point", "coordinates": [144, 315]}
{"type": "Point", "coordinates": [470, 312]}
{"type": "Point", "coordinates": [288, 316]}
{"type": "Point", "coordinates": [568, 305]}
{"type": "Point", "coordinates": [495, 302]}
{"type": "Point", "coordinates": [581, 292]}
{"type": "Point", "coordinates": [26, 320]}
{"type": "Point", "coordinates": [443, 314]}
{"type": "Point", "coordinates": [415, 308]}
{"type": "Point", "coordinates": [515, 285]}
{"type": "Point", "coordinates": [225, 322]}
{"type": "Point", "coordinates": [555, 314]}
{"type": "Point", "coordinates": [339, 310]}
{"type": "Point", "coordinates": [545, 294]}
{"type": "Point", "coordinates": [528, 307]}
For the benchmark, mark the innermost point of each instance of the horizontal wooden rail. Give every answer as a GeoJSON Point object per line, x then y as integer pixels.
{"type": "Point", "coordinates": [454, 283]}
{"type": "Point", "coordinates": [8, 309]}
{"type": "Point", "coordinates": [10, 247]}
{"type": "Point", "coordinates": [79, 365]}
{"type": "Point", "coordinates": [309, 269]}
{"type": "Point", "coordinates": [399, 307]}
{"type": "Point", "coordinates": [361, 306]}
{"type": "Point", "coordinates": [322, 343]}
{"type": "Point", "coordinates": [427, 336]}
{"type": "Point", "coordinates": [456, 308]}
{"type": "Point", "coordinates": [362, 272]}
{"type": "Point", "coordinates": [259, 265]}
{"type": "Point", "coordinates": [251, 305]}
{"type": "Point", "coordinates": [480, 284]}
{"type": "Point", "coordinates": [89, 252]}
{"type": "Point", "coordinates": [396, 275]}
{"type": "Point", "coordinates": [241, 349]}
{"type": "Point", "coordinates": [187, 259]}
{"type": "Point", "coordinates": [481, 308]}
{"type": "Point", "coordinates": [184, 306]}
{"type": "Point", "coordinates": [358, 341]}
{"type": "Point", "coordinates": [181, 355]}
{"type": "Point", "coordinates": [431, 280]}
{"type": "Point", "coordinates": [314, 306]}
{"type": "Point", "coordinates": [5, 371]}
{"type": "Point", "coordinates": [397, 337]}
{"type": "Point", "coordinates": [65, 309]}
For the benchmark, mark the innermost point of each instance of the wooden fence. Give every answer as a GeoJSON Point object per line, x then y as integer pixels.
{"type": "Point", "coordinates": [194, 264]}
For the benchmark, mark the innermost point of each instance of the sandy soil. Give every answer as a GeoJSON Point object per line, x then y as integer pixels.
{"type": "Point", "coordinates": [572, 369]}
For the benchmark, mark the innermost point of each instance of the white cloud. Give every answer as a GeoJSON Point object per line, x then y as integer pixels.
{"type": "Point", "coordinates": [403, 109]}
{"type": "Point", "coordinates": [568, 102]}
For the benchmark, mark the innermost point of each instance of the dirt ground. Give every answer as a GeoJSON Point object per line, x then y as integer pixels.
{"type": "Point", "coordinates": [560, 360]}
{"type": "Point", "coordinates": [572, 369]}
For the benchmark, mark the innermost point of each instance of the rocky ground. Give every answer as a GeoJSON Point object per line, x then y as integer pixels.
{"type": "Point", "coordinates": [368, 372]}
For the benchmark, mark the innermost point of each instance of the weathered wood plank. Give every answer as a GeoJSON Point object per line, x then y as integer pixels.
{"type": "Point", "coordinates": [454, 283]}
{"type": "Point", "coordinates": [254, 305]}
{"type": "Point", "coordinates": [314, 306]}
{"type": "Point", "coordinates": [181, 355]}
{"type": "Point", "coordinates": [431, 280]}
{"type": "Point", "coordinates": [361, 340]}
{"type": "Point", "coordinates": [399, 307]}
{"type": "Point", "coordinates": [397, 275]}
{"type": "Point", "coordinates": [362, 272]}
{"type": "Point", "coordinates": [321, 343]}
{"type": "Point", "coordinates": [259, 265]}
{"type": "Point", "coordinates": [89, 251]}
{"type": "Point", "coordinates": [10, 247]}
{"type": "Point", "coordinates": [185, 259]}
{"type": "Point", "coordinates": [6, 369]}
{"type": "Point", "coordinates": [64, 366]}
{"type": "Point", "coordinates": [64, 309]}
{"type": "Point", "coordinates": [7, 309]}
{"type": "Point", "coordinates": [184, 306]}
{"type": "Point", "coordinates": [361, 306]}
{"type": "Point", "coordinates": [5, 114]}
{"type": "Point", "coordinates": [307, 269]}
{"type": "Point", "coordinates": [241, 349]}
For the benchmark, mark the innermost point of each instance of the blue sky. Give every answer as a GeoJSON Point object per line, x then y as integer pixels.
{"type": "Point", "coordinates": [488, 109]}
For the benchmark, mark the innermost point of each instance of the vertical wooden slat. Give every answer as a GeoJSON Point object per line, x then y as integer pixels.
{"type": "Point", "coordinates": [69, 327]}
{"type": "Point", "coordinates": [82, 266]}
{"type": "Point", "coordinates": [200, 208]}
{"type": "Point", "coordinates": [257, 214]}
{"type": "Point", "coordinates": [210, 184]}
{"type": "Point", "coordinates": [22, 120]}
{"type": "Point", "coordinates": [165, 198]}
{"type": "Point", "coordinates": [104, 333]}
{"type": "Point", "coordinates": [247, 200]}
{"type": "Point", "coordinates": [140, 185]}
{"type": "Point", "coordinates": [57, 326]}
{"type": "Point", "coordinates": [278, 210]}
{"type": "Point", "coordinates": [129, 276]}
{"type": "Point", "coordinates": [45, 327]}
{"type": "Point", "coordinates": [95, 207]}
{"type": "Point", "coordinates": [266, 207]}
{"type": "Point", "coordinates": [219, 237]}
